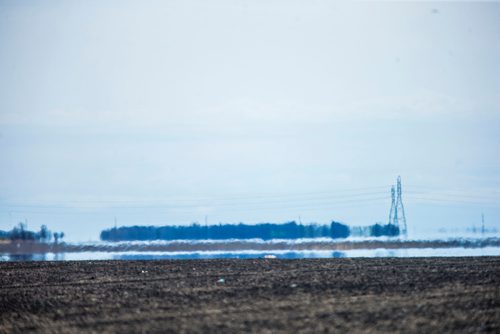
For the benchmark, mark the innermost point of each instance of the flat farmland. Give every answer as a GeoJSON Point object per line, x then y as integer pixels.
{"type": "Point", "coordinates": [263, 295]}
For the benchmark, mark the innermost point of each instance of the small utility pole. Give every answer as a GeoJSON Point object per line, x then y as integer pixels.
{"type": "Point", "coordinates": [482, 224]}
{"type": "Point", "coordinates": [206, 227]}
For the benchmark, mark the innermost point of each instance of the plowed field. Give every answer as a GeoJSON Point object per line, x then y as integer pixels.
{"type": "Point", "coordinates": [322, 295]}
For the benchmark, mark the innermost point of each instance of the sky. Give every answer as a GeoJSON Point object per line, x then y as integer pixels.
{"type": "Point", "coordinates": [173, 112]}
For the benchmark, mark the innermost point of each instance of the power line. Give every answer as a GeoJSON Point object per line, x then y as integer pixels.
{"type": "Point", "coordinates": [231, 197]}
{"type": "Point", "coordinates": [234, 206]}
{"type": "Point", "coordinates": [208, 202]}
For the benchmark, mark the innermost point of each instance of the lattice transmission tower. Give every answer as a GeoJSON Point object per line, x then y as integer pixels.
{"type": "Point", "coordinates": [397, 213]}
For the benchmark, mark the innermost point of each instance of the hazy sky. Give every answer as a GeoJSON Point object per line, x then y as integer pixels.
{"type": "Point", "coordinates": [164, 112]}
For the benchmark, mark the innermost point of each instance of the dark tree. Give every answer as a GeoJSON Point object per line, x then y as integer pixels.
{"type": "Point", "coordinates": [339, 230]}
{"type": "Point", "coordinates": [44, 235]}
{"type": "Point", "coordinates": [58, 236]}
{"type": "Point", "coordinates": [21, 233]}
{"type": "Point", "coordinates": [378, 230]}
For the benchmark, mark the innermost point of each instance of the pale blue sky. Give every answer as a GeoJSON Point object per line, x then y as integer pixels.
{"type": "Point", "coordinates": [164, 112]}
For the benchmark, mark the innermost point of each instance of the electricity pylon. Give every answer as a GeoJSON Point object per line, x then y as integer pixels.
{"type": "Point", "coordinates": [393, 204]}
{"type": "Point", "coordinates": [397, 214]}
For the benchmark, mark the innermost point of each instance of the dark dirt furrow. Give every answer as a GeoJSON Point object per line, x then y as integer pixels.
{"type": "Point", "coordinates": [329, 295]}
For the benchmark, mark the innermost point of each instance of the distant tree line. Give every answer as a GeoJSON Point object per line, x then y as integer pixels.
{"type": "Point", "coordinates": [21, 233]}
{"type": "Point", "coordinates": [265, 231]}
{"type": "Point", "coordinates": [375, 230]}
{"type": "Point", "coordinates": [378, 230]}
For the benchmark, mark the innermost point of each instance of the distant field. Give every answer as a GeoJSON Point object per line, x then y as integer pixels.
{"type": "Point", "coordinates": [356, 295]}
{"type": "Point", "coordinates": [238, 245]}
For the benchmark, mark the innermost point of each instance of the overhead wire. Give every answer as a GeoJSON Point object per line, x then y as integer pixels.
{"type": "Point", "coordinates": [306, 201]}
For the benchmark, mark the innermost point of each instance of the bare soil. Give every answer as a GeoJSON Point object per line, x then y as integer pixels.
{"type": "Point", "coordinates": [265, 295]}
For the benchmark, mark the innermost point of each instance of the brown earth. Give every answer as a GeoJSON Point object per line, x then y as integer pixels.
{"type": "Point", "coordinates": [322, 295]}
